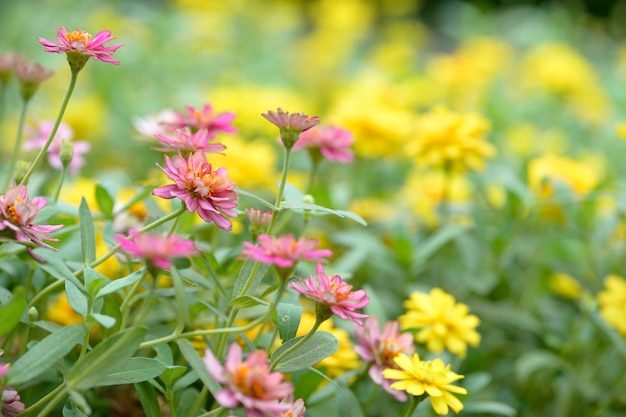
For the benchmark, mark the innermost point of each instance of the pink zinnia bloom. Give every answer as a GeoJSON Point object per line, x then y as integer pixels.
{"type": "Point", "coordinates": [156, 249]}
{"type": "Point", "coordinates": [11, 403]}
{"type": "Point", "coordinates": [156, 124]}
{"type": "Point", "coordinates": [31, 72]}
{"type": "Point", "coordinates": [290, 125]}
{"type": "Point", "coordinates": [332, 291]}
{"type": "Point", "coordinates": [333, 142]}
{"type": "Point", "coordinates": [17, 215]}
{"type": "Point", "coordinates": [297, 409]}
{"type": "Point", "coordinates": [196, 119]}
{"type": "Point", "coordinates": [209, 192]}
{"type": "Point", "coordinates": [39, 135]}
{"type": "Point", "coordinates": [249, 383]}
{"type": "Point", "coordinates": [83, 43]}
{"type": "Point", "coordinates": [380, 348]}
{"type": "Point", "coordinates": [284, 251]}
{"type": "Point", "coordinates": [186, 141]}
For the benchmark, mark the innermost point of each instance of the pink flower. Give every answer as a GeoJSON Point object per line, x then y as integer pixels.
{"type": "Point", "coordinates": [333, 143]}
{"type": "Point", "coordinates": [4, 368]}
{"type": "Point", "coordinates": [284, 251]}
{"type": "Point", "coordinates": [204, 118]}
{"type": "Point", "coordinates": [31, 72]}
{"type": "Point", "coordinates": [155, 248]}
{"type": "Point", "coordinates": [156, 124]}
{"type": "Point", "coordinates": [249, 383]}
{"type": "Point", "coordinates": [380, 348]}
{"type": "Point", "coordinates": [297, 409]}
{"type": "Point", "coordinates": [290, 125]}
{"type": "Point", "coordinates": [336, 294]}
{"type": "Point", "coordinates": [39, 135]}
{"type": "Point", "coordinates": [209, 192]}
{"type": "Point", "coordinates": [7, 65]}
{"type": "Point", "coordinates": [186, 141]}
{"type": "Point", "coordinates": [17, 215]}
{"type": "Point", "coordinates": [11, 403]}
{"type": "Point", "coordinates": [81, 42]}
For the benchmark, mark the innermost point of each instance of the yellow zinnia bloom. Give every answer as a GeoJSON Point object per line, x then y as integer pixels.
{"type": "Point", "coordinates": [565, 285]}
{"type": "Point", "coordinates": [444, 323]}
{"type": "Point", "coordinates": [579, 176]}
{"type": "Point", "coordinates": [450, 140]}
{"type": "Point", "coordinates": [613, 302]}
{"type": "Point", "coordinates": [434, 378]}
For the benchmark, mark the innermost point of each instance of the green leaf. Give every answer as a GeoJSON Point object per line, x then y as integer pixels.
{"type": "Point", "coordinates": [77, 299]}
{"type": "Point", "coordinates": [120, 283]}
{"type": "Point", "coordinates": [186, 401]}
{"type": "Point", "coordinates": [171, 374]}
{"type": "Point", "coordinates": [433, 243]}
{"type": "Point", "coordinates": [106, 321]}
{"type": "Point", "coordinates": [185, 381]}
{"type": "Point", "coordinates": [197, 364]}
{"type": "Point", "coordinates": [55, 266]}
{"type": "Point", "coordinates": [87, 233]}
{"type": "Point", "coordinates": [488, 407]}
{"type": "Point", "coordinates": [245, 193]}
{"type": "Point", "coordinates": [111, 309]}
{"type": "Point", "coordinates": [347, 403]}
{"type": "Point", "coordinates": [288, 319]}
{"type": "Point", "coordinates": [247, 301]}
{"type": "Point", "coordinates": [245, 273]}
{"type": "Point", "coordinates": [533, 361]}
{"type": "Point", "coordinates": [79, 401]}
{"type": "Point", "coordinates": [104, 200]}
{"type": "Point", "coordinates": [108, 354]}
{"type": "Point", "coordinates": [45, 354]}
{"type": "Point", "coordinates": [70, 410]}
{"type": "Point", "coordinates": [352, 216]}
{"type": "Point", "coordinates": [132, 371]}
{"type": "Point", "coordinates": [11, 312]}
{"type": "Point", "coordinates": [148, 399]}
{"type": "Point", "coordinates": [321, 345]}
{"type": "Point", "coordinates": [94, 280]}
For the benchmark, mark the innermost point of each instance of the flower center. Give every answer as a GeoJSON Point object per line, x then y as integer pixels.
{"type": "Point", "coordinates": [254, 388]}
{"type": "Point", "coordinates": [78, 39]}
{"type": "Point", "coordinates": [14, 216]}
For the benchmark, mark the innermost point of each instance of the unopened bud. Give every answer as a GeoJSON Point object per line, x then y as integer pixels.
{"type": "Point", "coordinates": [33, 314]}
{"type": "Point", "coordinates": [66, 154]}
{"type": "Point", "coordinates": [308, 198]}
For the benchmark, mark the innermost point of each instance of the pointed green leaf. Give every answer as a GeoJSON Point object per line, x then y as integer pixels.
{"type": "Point", "coordinates": [347, 403]}
{"type": "Point", "coordinates": [288, 319]}
{"type": "Point", "coordinates": [321, 345]}
{"type": "Point", "coordinates": [245, 193]}
{"type": "Point", "coordinates": [71, 410]}
{"type": "Point", "coordinates": [107, 355]}
{"type": "Point", "coordinates": [488, 407]}
{"type": "Point", "coordinates": [352, 216]}
{"type": "Point", "coordinates": [106, 321]}
{"type": "Point", "coordinates": [55, 266]}
{"type": "Point", "coordinates": [185, 381]}
{"type": "Point", "coordinates": [77, 299]}
{"type": "Point", "coordinates": [197, 364]}
{"type": "Point", "coordinates": [79, 401]}
{"type": "Point", "coordinates": [132, 371]}
{"type": "Point", "coordinates": [12, 311]}
{"type": "Point", "coordinates": [171, 374]}
{"type": "Point", "coordinates": [104, 200]}
{"type": "Point", "coordinates": [87, 233]}
{"type": "Point", "coordinates": [249, 268]}
{"type": "Point", "coordinates": [45, 354]}
{"type": "Point", "coordinates": [247, 301]}
{"type": "Point", "coordinates": [148, 399]}
{"type": "Point", "coordinates": [120, 283]}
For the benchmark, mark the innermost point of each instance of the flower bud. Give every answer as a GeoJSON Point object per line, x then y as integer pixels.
{"type": "Point", "coordinates": [67, 153]}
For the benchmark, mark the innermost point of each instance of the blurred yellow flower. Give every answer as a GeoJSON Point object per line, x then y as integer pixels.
{"type": "Point", "coordinates": [565, 285]}
{"type": "Point", "coordinates": [374, 209]}
{"type": "Point", "coordinates": [526, 139]}
{"type": "Point", "coordinates": [620, 130]}
{"type": "Point", "coordinates": [425, 191]}
{"type": "Point", "coordinates": [345, 359]}
{"type": "Point", "coordinates": [60, 311]}
{"type": "Point", "coordinates": [579, 176]}
{"type": "Point", "coordinates": [612, 301]}
{"type": "Point", "coordinates": [444, 323]}
{"type": "Point", "coordinates": [418, 377]}
{"type": "Point", "coordinates": [452, 141]}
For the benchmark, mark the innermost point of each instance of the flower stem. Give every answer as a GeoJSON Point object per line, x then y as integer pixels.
{"type": "Point", "coordinates": [16, 147]}
{"type": "Point", "coordinates": [43, 400]}
{"type": "Point", "coordinates": [296, 345]}
{"type": "Point", "coordinates": [57, 192]}
{"type": "Point", "coordinates": [413, 403]}
{"type": "Point", "coordinates": [281, 190]}
{"type": "Point", "coordinates": [42, 152]}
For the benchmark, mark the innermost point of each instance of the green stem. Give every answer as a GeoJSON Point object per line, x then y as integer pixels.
{"type": "Point", "coordinates": [53, 402]}
{"type": "Point", "coordinates": [414, 402]}
{"type": "Point", "coordinates": [17, 146]}
{"type": "Point", "coordinates": [42, 401]}
{"type": "Point", "coordinates": [312, 175]}
{"type": "Point", "coordinates": [57, 192]}
{"type": "Point", "coordinates": [297, 345]}
{"type": "Point", "coordinates": [214, 413]}
{"type": "Point", "coordinates": [198, 403]}
{"type": "Point", "coordinates": [42, 152]}
{"type": "Point", "coordinates": [169, 395]}
{"type": "Point", "coordinates": [181, 301]}
{"type": "Point", "coordinates": [281, 190]}
{"type": "Point", "coordinates": [273, 306]}
{"type": "Point", "coordinates": [221, 341]}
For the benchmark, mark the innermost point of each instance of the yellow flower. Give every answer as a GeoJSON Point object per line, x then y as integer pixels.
{"type": "Point", "coordinates": [612, 301]}
{"type": "Point", "coordinates": [565, 285]}
{"type": "Point", "coordinates": [61, 312]}
{"type": "Point", "coordinates": [374, 209]}
{"type": "Point", "coordinates": [345, 359]}
{"type": "Point", "coordinates": [443, 322]}
{"type": "Point", "coordinates": [620, 130]}
{"type": "Point", "coordinates": [580, 177]}
{"type": "Point", "coordinates": [434, 378]}
{"type": "Point", "coordinates": [525, 139]}
{"type": "Point", "coordinates": [452, 141]}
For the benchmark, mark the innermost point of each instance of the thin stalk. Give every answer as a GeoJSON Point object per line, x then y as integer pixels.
{"type": "Point", "coordinates": [53, 402]}
{"type": "Point", "coordinates": [57, 192]}
{"type": "Point", "coordinates": [44, 400]}
{"type": "Point", "coordinates": [17, 146]}
{"type": "Point", "coordinates": [413, 403]}
{"type": "Point", "coordinates": [196, 405]}
{"type": "Point", "coordinates": [42, 153]}
{"type": "Point", "coordinates": [281, 190]}
{"type": "Point", "coordinates": [297, 345]}
{"type": "Point", "coordinates": [312, 175]}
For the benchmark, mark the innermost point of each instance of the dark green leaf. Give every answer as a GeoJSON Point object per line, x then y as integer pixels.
{"type": "Point", "coordinates": [12, 311]}
{"type": "Point", "coordinates": [148, 399]}
{"type": "Point", "coordinates": [320, 346]}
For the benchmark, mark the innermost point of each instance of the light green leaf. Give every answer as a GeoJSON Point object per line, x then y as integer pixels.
{"type": "Point", "coordinates": [87, 233]}
{"type": "Point", "coordinates": [148, 399]}
{"type": "Point", "coordinates": [77, 299]}
{"type": "Point", "coordinates": [352, 216]}
{"type": "Point", "coordinates": [171, 374]}
{"type": "Point", "coordinates": [288, 319]}
{"type": "Point", "coordinates": [245, 193]}
{"type": "Point", "coordinates": [106, 321]}
{"type": "Point", "coordinates": [185, 381]}
{"type": "Point", "coordinates": [12, 311]}
{"type": "Point", "coordinates": [247, 301]}
{"type": "Point", "coordinates": [55, 266]}
{"type": "Point", "coordinates": [70, 410]}
{"type": "Point", "coordinates": [132, 371]}
{"type": "Point", "coordinates": [107, 355]}
{"type": "Point", "coordinates": [195, 361]}
{"type": "Point", "coordinates": [427, 247]}
{"type": "Point", "coordinates": [250, 266]}
{"type": "Point", "coordinates": [120, 283]}
{"type": "Point", "coordinates": [45, 354]}
{"type": "Point", "coordinates": [347, 403]}
{"type": "Point", "coordinates": [488, 407]}
{"type": "Point", "coordinates": [104, 200]}
{"type": "Point", "coordinates": [79, 401]}
{"type": "Point", "coordinates": [320, 346]}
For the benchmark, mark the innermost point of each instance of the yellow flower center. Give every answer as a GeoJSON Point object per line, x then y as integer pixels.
{"type": "Point", "coordinates": [78, 37]}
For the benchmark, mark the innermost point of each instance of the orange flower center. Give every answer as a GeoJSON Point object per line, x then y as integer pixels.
{"type": "Point", "coordinates": [252, 388]}
{"type": "Point", "coordinates": [78, 37]}
{"type": "Point", "coordinates": [14, 217]}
